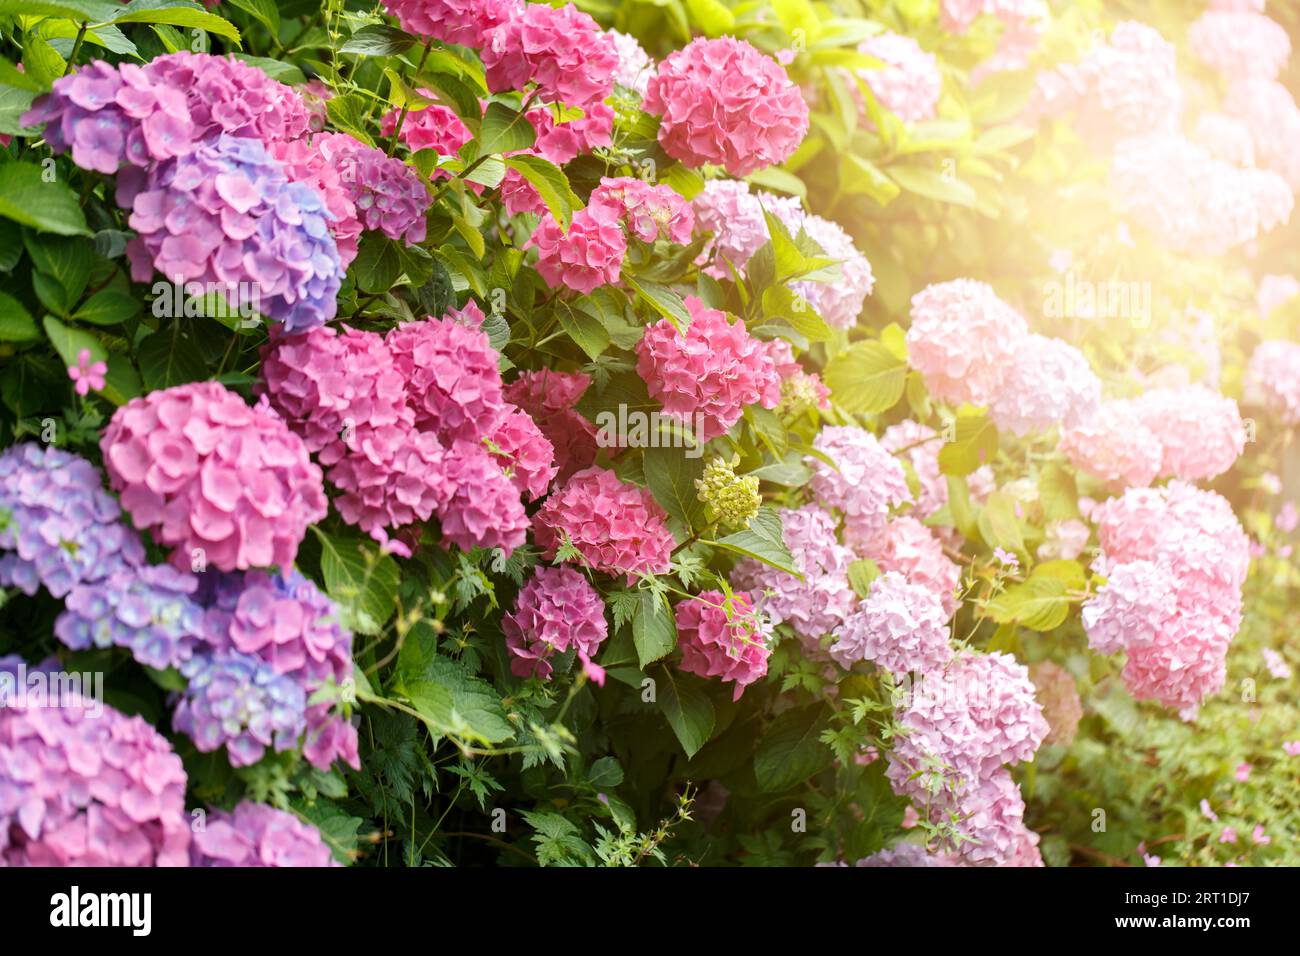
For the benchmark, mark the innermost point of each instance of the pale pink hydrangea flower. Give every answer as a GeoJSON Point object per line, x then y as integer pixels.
{"type": "Point", "coordinates": [866, 482]}
{"type": "Point", "coordinates": [723, 639]}
{"type": "Point", "coordinates": [1275, 291]}
{"type": "Point", "coordinates": [1273, 379]}
{"type": "Point", "coordinates": [991, 816]}
{"type": "Point", "coordinates": [1059, 696]}
{"type": "Point", "coordinates": [1200, 432]}
{"type": "Point", "coordinates": [839, 302]}
{"type": "Point", "coordinates": [1226, 138]}
{"type": "Point", "coordinates": [634, 65]}
{"type": "Point", "coordinates": [909, 547]}
{"type": "Point", "coordinates": [1269, 111]}
{"type": "Point", "coordinates": [1239, 44]}
{"type": "Point", "coordinates": [1114, 445]}
{"type": "Point", "coordinates": [909, 83]}
{"type": "Point", "coordinates": [919, 445]}
{"type": "Point", "coordinates": [1048, 382]}
{"type": "Point", "coordinates": [900, 626]}
{"type": "Point", "coordinates": [557, 610]}
{"type": "Point", "coordinates": [723, 102]}
{"type": "Point", "coordinates": [714, 369]}
{"type": "Point", "coordinates": [650, 212]}
{"type": "Point", "coordinates": [962, 340]}
{"type": "Point", "coordinates": [1065, 540]}
{"type": "Point", "coordinates": [727, 209]}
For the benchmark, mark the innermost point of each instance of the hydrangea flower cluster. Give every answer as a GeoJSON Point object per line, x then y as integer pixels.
{"type": "Point", "coordinates": [650, 212]}
{"type": "Point", "coordinates": [1239, 43]}
{"type": "Point", "coordinates": [1115, 445]}
{"type": "Point", "coordinates": [723, 638]}
{"type": "Point", "coordinates": [919, 446]}
{"type": "Point", "coordinates": [81, 787]}
{"type": "Point", "coordinates": [149, 610]}
{"type": "Point", "coordinates": [866, 482]}
{"type": "Point", "coordinates": [713, 369]}
{"type": "Point", "coordinates": [900, 626]}
{"type": "Point", "coordinates": [557, 611]}
{"type": "Point", "coordinates": [433, 127]}
{"type": "Point", "coordinates": [588, 255]}
{"type": "Point", "coordinates": [908, 547]}
{"type": "Point", "coordinates": [1226, 138]}
{"type": "Point", "coordinates": [212, 477]}
{"type": "Point", "coordinates": [1270, 113]}
{"type": "Point", "coordinates": [549, 397]}
{"type": "Point", "coordinates": [241, 703]}
{"type": "Point", "coordinates": [1273, 379]}
{"type": "Point", "coordinates": [466, 22]}
{"type": "Point", "coordinates": [731, 499]}
{"type": "Point", "coordinates": [839, 302]}
{"type": "Point", "coordinates": [819, 602]}
{"type": "Point", "coordinates": [563, 51]}
{"type": "Point", "coordinates": [960, 727]}
{"type": "Point", "coordinates": [1175, 559]}
{"type": "Point", "coordinates": [908, 855]}
{"type": "Point", "coordinates": [723, 102]}
{"type": "Point", "coordinates": [254, 834]}
{"type": "Point", "coordinates": [527, 456]}
{"type": "Point", "coordinates": [1049, 381]}
{"type": "Point", "coordinates": [58, 526]}
{"type": "Point", "coordinates": [226, 214]}
{"type": "Point", "coordinates": [634, 64]}
{"type": "Point", "coordinates": [909, 84]}
{"type": "Point", "coordinates": [1059, 696]}
{"type": "Point", "coordinates": [733, 218]}
{"type": "Point", "coordinates": [617, 528]}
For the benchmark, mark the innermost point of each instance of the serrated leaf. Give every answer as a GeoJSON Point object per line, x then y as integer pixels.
{"type": "Point", "coordinates": [687, 707]}
{"type": "Point", "coordinates": [505, 130]}
{"type": "Point", "coordinates": [551, 184]}
{"type": "Point", "coordinates": [671, 478]}
{"type": "Point", "coordinates": [456, 703]}
{"type": "Point", "coordinates": [362, 582]}
{"type": "Point", "coordinates": [791, 750]}
{"type": "Point", "coordinates": [378, 39]}
{"type": "Point", "coordinates": [46, 207]}
{"type": "Point", "coordinates": [975, 442]}
{"type": "Point", "coordinates": [1039, 604]}
{"type": "Point", "coordinates": [998, 523]}
{"type": "Point", "coordinates": [762, 540]}
{"type": "Point", "coordinates": [168, 358]}
{"type": "Point", "coordinates": [586, 330]}
{"type": "Point", "coordinates": [654, 632]}
{"type": "Point", "coordinates": [107, 307]}
{"type": "Point", "coordinates": [172, 13]}
{"type": "Point", "coordinates": [867, 378]}
{"type": "Point", "coordinates": [16, 323]}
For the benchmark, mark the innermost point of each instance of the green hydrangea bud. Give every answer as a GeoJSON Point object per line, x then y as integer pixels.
{"type": "Point", "coordinates": [731, 499]}
{"type": "Point", "coordinates": [800, 394]}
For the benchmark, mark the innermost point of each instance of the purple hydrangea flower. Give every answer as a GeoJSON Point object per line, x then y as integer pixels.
{"type": "Point", "coordinates": [227, 214]}
{"type": "Point", "coordinates": [254, 834]}
{"type": "Point", "coordinates": [239, 701]}
{"type": "Point", "coordinates": [58, 526]}
{"type": "Point", "coordinates": [148, 610]}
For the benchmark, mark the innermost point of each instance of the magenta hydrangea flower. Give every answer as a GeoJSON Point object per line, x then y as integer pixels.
{"type": "Point", "coordinates": [962, 340]}
{"type": "Point", "coordinates": [1273, 379]}
{"type": "Point", "coordinates": [1200, 432]}
{"type": "Point", "coordinates": [590, 254]}
{"type": "Point", "coordinates": [819, 602]}
{"type": "Point", "coordinates": [388, 194]}
{"type": "Point", "coordinates": [212, 478]}
{"type": "Point", "coordinates": [1114, 445]}
{"type": "Point", "coordinates": [900, 626]}
{"type": "Point", "coordinates": [254, 834]}
{"type": "Point", "coordinates": [723, 102]}
{"type": "Point", "coordinates": [1239, 44]}
{"type": "Point", "coordinates": [962, 724]}
{"type": "Point", "coordinates": [434, 127]}
{"type": "Point", "coordinates": [866, 482]}
{"type": "Point", "coordinates": [483, 509]}
{"type": "Point", "coordinates": [526, 455]}
{"type": "Point", "coordinates": [713, 369]}
{"type": "Point", "coordinates": [734, 217]}
{"type": "Point", "coordinates": [85, 787]}
{"type": "Point", "coordinates": [58, 526]}
{"type": "Point", "coordinates": [616, 527]}
{"type": "Point", "coordinates": [557, 611]}
{"type": "Point", "coordinates": [549, 398]}
{"type": "Point", "coordinates": [563, 51]}
{"type": "Point", "coordinates": [241, 703]}
{"type": "Point", "coordinates": [466, 22]}
{"type": "Point", "coordinates": [451, 376]}
{"type": "Point", "coordinates": [723, 638]}
{"type": "Point", "coordinates": [227, 214]}
{"type": "Point", "coordinates": [1048, 382]}
{"type": "Point", "coordinates": [909, 547]}
{"type": "Point", "coordinates": [149, 610]}
{"type": "Point", "coordinates": [650, 212]}
{"type": "Point", "coordinates": [909, 84]}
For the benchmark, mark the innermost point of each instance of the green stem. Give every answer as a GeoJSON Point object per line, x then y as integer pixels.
{"type": "Point", "coordinates": [76, 47]}
{"type": "Point", "coordinates": [406, 107]}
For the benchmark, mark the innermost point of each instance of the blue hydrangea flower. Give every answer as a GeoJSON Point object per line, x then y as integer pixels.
{"type": "Point", "coordinates": [238, 701]}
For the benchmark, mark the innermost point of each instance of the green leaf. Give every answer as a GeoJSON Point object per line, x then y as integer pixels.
{"type": "Point", "coordinates": [349, 114]}
{"type": "Point", "coordinates": [1039, 604]}
{"type": "Point", "coordinates": [64, 259]}
{"type": "Point", "coordinates": [762, 540]}
{"type": "Point", "coordinates": [361, 581]}
{"type": "Point", "coordinates": [711, 16]}
{"type": "Point", "coordinates": [455, 703]}
{"type": "Point", "coordinates": [378, 39]}
{"type": "Point", "coordinates": [551, 184]}
{"type": "Point", "coordinates": [16, 323]}
{"type": "Point", "coordinates": [81, 11]}
{"type": "Point", "coordinates": [861, 574]}
{"type": "Point", "coordinates": [168, 357]}
{"type": "Point", "coordinates": [654, 632]}
{"type": "Point", "coordinates": [791, 750]}
{"type": "Point", "coordinates": [42, 62]}
{"type": "Point", "coordinates": [867, 377]}
{"type": "Point", "coordinates": [662, 299]}
{"type": "Point", "coordinates": [107, 307]}
{"type": "Point", "coordinates": [264, 12]}
{"type": "Point", "coordinates": [671, 477]}
{"type": "Point", "coordinates": [865, 178]}
{"type": "Point", "coordinates": [586, 330]}
{"type": "Point", "coordinates": [176, 14]}
{"type": "Point", "coordinates": [974, 443]}
{"type": "Point", "coordinates": [455, 94]}
{"type": "Point", "coordinates": [505, 130]}
{"type": "Point", "coordinates": [605, 773]}
{"type": "Point", "coordinates": [378, 264]}
{"type": "Point", "coordinates": [47, 207]}
{"type": "Point", "coordinates": [687, 707]}
{"type": "Point", "coordinates": [278, 70]}
{"type": "Point", "coordinates": [1071, 572]}
{"type": "Point", "coordinates": [1058, 493]}
{"type": "Point", "coordinates": [933, 184]}
{"type": "Point", "coordinates": [120, 384]}
{"type": "Point", "coordinates": [998, 524]}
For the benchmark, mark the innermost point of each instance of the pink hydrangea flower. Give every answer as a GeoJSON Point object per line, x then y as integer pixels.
{"type": "Point", "coordinates": [1115, 445]}
{"type": "Point", "coordinates": [1239, 44]}
{"type": "Point", "coordinates": [650, 212]}
{"type": "Point", "coordinates": [962, 340]}
{"type": "Point", "coordinates": [1226, 138]}
{"type": "Point", "coordinates": [483, 509]}
{"type": "Point", "coordinates": [557, 611]}
{"type": "Point", "coordinates": [527, 456]}
{"type": "Point", "coordinates": [81, 786]}
{"type": "Point", "coordinates": [909, 84]}
{"type": "Point", "coordinates": [1065, 540]}
{"type": "Point", "coordinates": [1275, 291]}
{"type": "Point", "coordinates": [734, 216]}
{"type": "Point", "coordinates": [1200, 432]}
{"type": "Point", "coordinates": [991, 818]}
{"type": "Point", "coordinates": [1273, 379]}
{"type": "Point", "coordinates": [1048, 382]}
{"type": "Point", "coordinates": [866, 482]}
{"type": "Point", "coordinates": [388, 195]}
{"type": "Point", "coordinates": [616, 527]}
{"type": "Point", "coordinates": [909, 547]}
{"type": "Point", "coordinates": [819, 602]}
{"type": "Point", "coordinates": [723, 102]}
{"type": "Point", "coordinates": [86, 375]}
{"type": "Point", "coordinates": [434, 127]}
{"type": "Point", "coordinates": [1269, 111]}
{"type": "Point", "coordinates": [254, 834]}
{"type": "Point", "coordinates": [634, 65]}
{"type": "Point", "coordinates": [466, 22]}
{"type": "Point", "coordinates": [590, 254]}
{"type": "Point", "coordinates": [563, 51]}
{"type": "Point", "coordinates": [900, 626]}
{"type": "Point", "coordinates": [919, 446]}
{"type": "Point", "coordinates": [548, 397]}
{"type": "Point", "coordinates": [908, 855]}
{"type": "Point", "coordinates": [451, 376]}
{"type": "Point", "coordinates": [723, 639]}
{"type": "Point", "coordinates": [212, 477]}
{"type": "Point", "coordinates": [713, 369]}
{"type": "Point", "coordinates": [1056, 691]}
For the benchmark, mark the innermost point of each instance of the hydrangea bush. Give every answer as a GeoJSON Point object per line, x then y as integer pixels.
{"type": "Point", "coordinates": [485, 431]}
